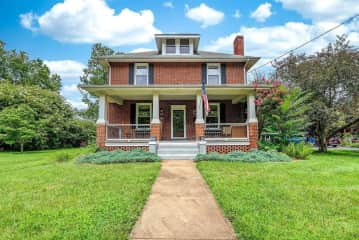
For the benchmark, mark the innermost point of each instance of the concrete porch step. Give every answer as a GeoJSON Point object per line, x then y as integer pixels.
{"type": "Point", "coordinates": [177, 156]}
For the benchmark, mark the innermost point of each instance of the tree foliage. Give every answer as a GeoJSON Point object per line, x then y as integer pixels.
{"type": "Point", "coordinates": [17, 68]}
{"type": "Point", "coordinates": [332, 76]}
{"type": "Point", "coordinates": [17, 125]}
{"type": "Point", "coordinates": [282, 111]}
{"type": "Point", "coordinates": [94, 74]}
{"type": "Point", "coordinates": [44, 112]}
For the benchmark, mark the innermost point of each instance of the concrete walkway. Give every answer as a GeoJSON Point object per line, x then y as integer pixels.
{"type": "Point", "coordinates": [181, 206]}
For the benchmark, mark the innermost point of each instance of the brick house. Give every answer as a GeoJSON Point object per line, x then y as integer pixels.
{"type": "Point", "coordinates": [153, 100]}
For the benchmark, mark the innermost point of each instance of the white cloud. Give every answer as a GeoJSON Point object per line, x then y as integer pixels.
{"type": "Point", "coordinates": [70, 88]}
{"type": "Point", "coordinates": [328, 10]}
{"type": "Point", "coordinates": [90, 21]}
{"type": "Point", "coordinates": [205, 15]}
{"type": "Point", "coordinates": [66, 68]}
{"type": "Point", "coordinates": [237, 14]}
{"type": "Point", "coordinates": [77, 104]}
{"type": "Point", "coordinates": [262, 12]}
{"type": "Point", "coordinates": [270, 42]}
{"type": "Point", "coordinates": [136, 50]}
{"type": "Point", "coordinates": [168, 4]}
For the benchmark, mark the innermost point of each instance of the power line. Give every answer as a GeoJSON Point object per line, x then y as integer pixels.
{"type": "Point", "coordinates": [307, 42]}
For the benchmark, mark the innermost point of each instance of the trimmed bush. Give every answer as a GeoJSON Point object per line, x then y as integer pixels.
{"type": "Point", "coordinates": [251, 156]}
{"type": "Point", "coordinates": [298, 150]}
{"type": "Point", "coordinates": [118, 156]}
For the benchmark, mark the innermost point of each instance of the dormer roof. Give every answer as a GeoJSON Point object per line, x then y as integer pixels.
{"type": "Point", "coordinates": [160, 37]}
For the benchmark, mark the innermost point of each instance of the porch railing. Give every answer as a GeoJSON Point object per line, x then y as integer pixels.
{"type": "Point", "coordinates": [128, 131]}
{"type": "Point", "coordinates": [226, 130]}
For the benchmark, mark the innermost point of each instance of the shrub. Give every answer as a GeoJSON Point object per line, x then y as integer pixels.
{"type": "Point", "coordinates": [63, 157]}
{"type": "Point", "coordinates": [118, 156]}
{"type": "Point", "coordinates": [251, 156]}
{"type": "Point", "coordinates": [267, 146]}
{"type": "Point", "coordinates": [298, 150]}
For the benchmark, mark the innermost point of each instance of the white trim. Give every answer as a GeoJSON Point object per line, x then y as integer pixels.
{"type": "Point", "coordinates": [179, 107]}
{"type": "Point", "coordinates": [135, 78]}
{"type": "Point", "coordinates": [218, 65]}
{"type": "Point", "coordinates": [143, 104]}
{"type": "Point", "coordinates": [218, 112]}
{"type": "Point", "coordinates": [118, 144]}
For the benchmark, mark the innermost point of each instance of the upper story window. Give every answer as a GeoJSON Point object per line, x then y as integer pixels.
{"type": "Point", "coordinates": [141, 76]}
{"type": "Point", "coordinates": [184, 46]}
{"type": "Point", "coordinates": [170, 46]}
{"type": "Point", "coordinates": [213, 74]}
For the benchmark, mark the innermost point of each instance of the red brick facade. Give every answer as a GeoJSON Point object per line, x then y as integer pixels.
{"type": "Point", "coordinates": [226, 148]}
{"type": "Point", "coordinates": [156, 130]}
{"type": "Point", "coordinates": [177, 73]}
{"type": "Point", "coordinates": [253, 135]}
{"type": "Point", "coordinates": [199, 130]}
{"type": "Point", "coordinates": [126, 148]}
{"type": "Point", "coordinates": [100, 135]}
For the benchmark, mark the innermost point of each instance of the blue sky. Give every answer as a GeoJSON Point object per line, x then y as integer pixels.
{"type": "Point", "coordinates": [62, 32]}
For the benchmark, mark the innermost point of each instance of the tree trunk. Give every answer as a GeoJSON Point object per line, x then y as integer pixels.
{"type": "Point", "coordinates": [322, 142]}
{"type": "Point", "coordinates": [21, 147]}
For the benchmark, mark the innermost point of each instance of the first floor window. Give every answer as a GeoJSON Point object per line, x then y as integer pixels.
{"type": "Point", "coordinates": [213, 74]}
{"type": "Point", "coordinates": [141, 74]}
{"type": "Point", "coordinates": [143, 113]}
{"type": "Point", "coordinates": [213, 116]}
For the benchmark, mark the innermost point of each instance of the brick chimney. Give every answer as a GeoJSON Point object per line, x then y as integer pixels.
{"type": "Point", "coordinates": [238, 45]}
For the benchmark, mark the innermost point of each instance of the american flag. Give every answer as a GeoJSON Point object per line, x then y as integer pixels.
{"type": "Point", "coordinates": [205, 99]}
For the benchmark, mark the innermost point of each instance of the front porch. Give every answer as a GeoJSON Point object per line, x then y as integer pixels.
{"type": "Point", "coordinates": [145, 120]}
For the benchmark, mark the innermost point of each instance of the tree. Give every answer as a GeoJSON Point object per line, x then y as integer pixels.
{"type": "Point", "coordinates": [17, 125]}
{"type": "Point", "coordinates": [332, 78]}
{"type": "Point", "coordinates": [282, 111]}
{"type": "Point", "coordinates": [17, 68]}
{"type": "Point", "coordinates": [94, 74]}
{"type": "Point", "coordinates": [56, 123]}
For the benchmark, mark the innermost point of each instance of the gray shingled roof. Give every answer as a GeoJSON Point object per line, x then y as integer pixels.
{"type": "Point", "coordinates": [154, 56]}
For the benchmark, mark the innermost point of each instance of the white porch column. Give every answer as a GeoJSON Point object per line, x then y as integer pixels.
{"type": "Point", "coordinates": [199, 109]}
{"type": "Point", "coordinates": [251, 109]}
{"type": "Point", "coordinates": [156, 109]}
{"type": "Point", "coordinates": [101, 110]}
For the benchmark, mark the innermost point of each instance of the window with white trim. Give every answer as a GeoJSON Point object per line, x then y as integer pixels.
{"type": "Point", "coordinates": [213, 74]}
{"type": "Point", "coordinates": [184, 46]}
{"type": "Point", "coordinates": [170, 46]}
{"type": "Point", "coordinates": [214, 115]}
{"type": "Point", "coordinates": [143, 114]}
{"type": "Point", "coordinates": [141, 74]}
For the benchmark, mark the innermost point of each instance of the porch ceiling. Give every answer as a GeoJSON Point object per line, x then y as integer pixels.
{"type": "Point", "coordinates": [130, 92]}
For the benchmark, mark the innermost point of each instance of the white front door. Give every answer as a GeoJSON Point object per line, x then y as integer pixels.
{"type": "Point", "coordinates": [178, 121]}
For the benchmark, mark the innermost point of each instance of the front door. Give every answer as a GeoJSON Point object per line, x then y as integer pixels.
{"type": "Point", "coordinates": [178, 121]}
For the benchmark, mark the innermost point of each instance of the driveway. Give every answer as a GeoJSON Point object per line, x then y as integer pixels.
{"type": "Point", "coordinates": [181, 206]}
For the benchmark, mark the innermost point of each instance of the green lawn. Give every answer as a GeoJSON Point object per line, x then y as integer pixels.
{"type": "Point", "coordinates": [43, 199]}
{"type": "Point", "coordinates": [310, 199]}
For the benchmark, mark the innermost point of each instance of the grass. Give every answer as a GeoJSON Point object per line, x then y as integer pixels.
{"type": "Point", "coordinates": [310, 199]}
{"type": "Point", "coordinates": [41, 198]}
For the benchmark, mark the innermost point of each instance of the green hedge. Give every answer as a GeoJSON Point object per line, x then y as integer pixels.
{"type": "Point", "coordinates": [118, 156]}
{"type": "Point", "coordinates": [298, 150]}
{"type": "Point", "coordinates": [251, 156]}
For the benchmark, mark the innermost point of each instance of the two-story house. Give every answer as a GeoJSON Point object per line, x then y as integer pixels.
{"type": "Point", "coordinates": [153, 100]}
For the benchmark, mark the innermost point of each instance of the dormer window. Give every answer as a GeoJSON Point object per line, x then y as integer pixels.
{"type": "Point", "coordinates": [170, 46]}
{"type": "Point", "coordinates": [184, 46]}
